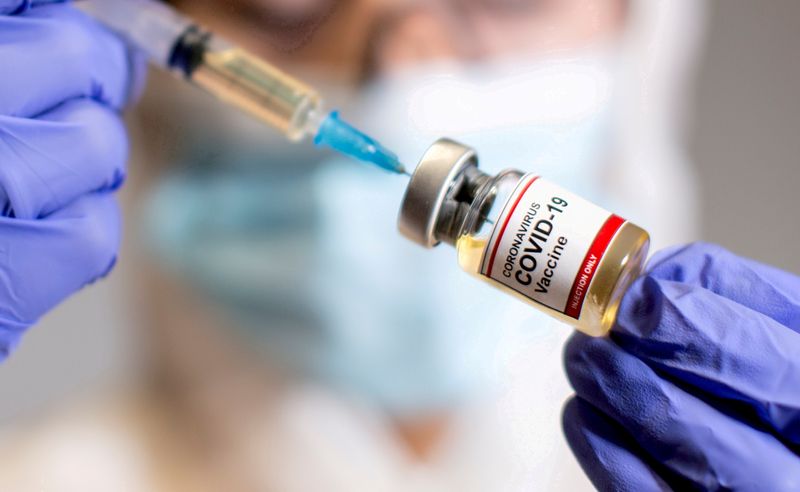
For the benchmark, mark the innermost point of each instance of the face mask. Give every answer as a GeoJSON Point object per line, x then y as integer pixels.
{"type": "Point", "coordinates": [312, 266]}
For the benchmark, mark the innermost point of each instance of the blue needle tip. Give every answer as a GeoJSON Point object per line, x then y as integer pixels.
{"type": "Point", "coordinates": [340, 136]}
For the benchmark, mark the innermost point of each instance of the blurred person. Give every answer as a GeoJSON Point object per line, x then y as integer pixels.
{"type": "Point", "coordinates": [282, 358]}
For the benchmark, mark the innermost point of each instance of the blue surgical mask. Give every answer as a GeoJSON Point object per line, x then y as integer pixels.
{"type": "Point", "coordinates": [312, 265]}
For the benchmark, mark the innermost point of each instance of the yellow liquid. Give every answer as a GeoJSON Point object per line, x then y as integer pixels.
{"type": "Point", "coordinates": [620, 266]}
{"type": "Point", "coordinates": [258, 88]}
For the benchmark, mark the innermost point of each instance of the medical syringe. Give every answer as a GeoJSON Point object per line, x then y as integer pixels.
{"type": "Point", "coordinates": [178, 44]}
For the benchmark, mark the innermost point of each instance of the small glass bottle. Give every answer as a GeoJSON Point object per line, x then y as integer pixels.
{"type": "Point", "coordinates": [522, 234]}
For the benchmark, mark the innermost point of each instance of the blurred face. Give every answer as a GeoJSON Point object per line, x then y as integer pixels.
{"type": "Point", "coordinates": [392, 35]}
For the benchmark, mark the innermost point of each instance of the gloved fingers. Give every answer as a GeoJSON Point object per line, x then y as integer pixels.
{"type": "Point", "coordinates": [715, 348]}
{"type": "Point", "coordinates": [79, 147]}
{"type": "Point", "coordinates": [55, 53]}
{"type": "Point", "coordinates": [681, 432]}
{"type": "Point", "coordinates": [610, 457]}
{"type": "Point", "coordinates": [762, 288]}
{"type": "Point", "coordinates": [14, 7]}
{"type": "Point", "coordinates": [44, 261]}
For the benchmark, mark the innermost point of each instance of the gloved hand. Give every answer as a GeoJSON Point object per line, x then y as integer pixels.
{"type": "Point", "coordinates": [698, 385]}
{"type": "Point", "coordinates": [63, 147]}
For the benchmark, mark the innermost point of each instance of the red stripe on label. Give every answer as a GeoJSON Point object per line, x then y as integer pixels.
{"type": "Point", "coordinates": [580, 286]}
{"type": "Point", "coordinates": [505, 224]}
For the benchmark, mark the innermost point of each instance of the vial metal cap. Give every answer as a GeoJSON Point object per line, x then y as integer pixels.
{"type": "Point", "coordinates": [436, 174]}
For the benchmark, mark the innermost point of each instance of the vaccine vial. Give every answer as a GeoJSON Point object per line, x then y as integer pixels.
{"type": "Point", "coordinates": [525, 235]}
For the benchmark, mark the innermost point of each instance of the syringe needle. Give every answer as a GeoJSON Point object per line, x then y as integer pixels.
{"type": "Point", "coordinates": [345, 138]}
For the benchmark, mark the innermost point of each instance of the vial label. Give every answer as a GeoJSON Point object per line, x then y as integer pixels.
{"type": "Point", "coordinates": [548, 243]}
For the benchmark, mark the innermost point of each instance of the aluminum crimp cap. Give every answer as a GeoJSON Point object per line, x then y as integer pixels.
{"type": "Point", "coordinates": [436, 174]}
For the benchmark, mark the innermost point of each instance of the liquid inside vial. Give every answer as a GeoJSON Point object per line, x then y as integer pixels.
{"type": "Point", "coordinates": [525, 235]}
{"type": "Point", "coordinates": [543, 244]}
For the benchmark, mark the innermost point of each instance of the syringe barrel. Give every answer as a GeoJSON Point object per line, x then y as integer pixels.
{"type": "Point", "coordinates": [233, 75]}
{"type": "Point", "coordinates": [259, 88]}
{"type": "Point", "coordinates": [151, 26]}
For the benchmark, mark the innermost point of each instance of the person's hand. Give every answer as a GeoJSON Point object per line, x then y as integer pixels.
{"type": "Point", "coordinates": [698, 385]}
{"type": "Point", "coordinates": [63, 147]}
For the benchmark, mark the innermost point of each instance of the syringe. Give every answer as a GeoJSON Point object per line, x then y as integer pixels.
{"type": "Point", "coordinates": [178, 44]}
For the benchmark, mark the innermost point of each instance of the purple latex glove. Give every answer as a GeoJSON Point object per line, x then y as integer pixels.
{"type": "Point", "coordinates": [63, 147]}
{"type": "Point", "coordinates": [698, 386]}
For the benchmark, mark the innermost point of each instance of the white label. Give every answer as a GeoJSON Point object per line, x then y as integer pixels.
{"type": "Point", "coordinates": [548, 243]}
